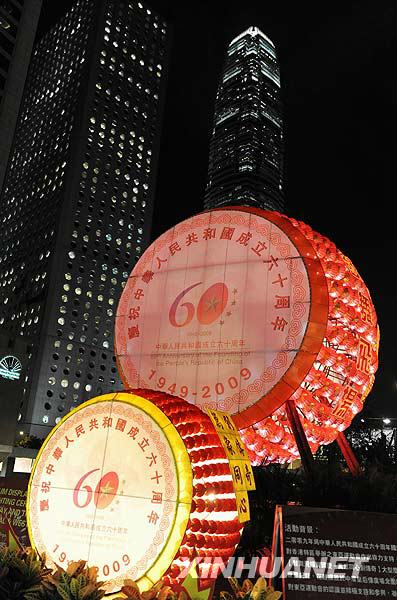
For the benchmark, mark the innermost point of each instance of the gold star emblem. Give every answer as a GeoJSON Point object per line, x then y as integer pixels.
{"type": "Point", "coordinates": [212, 304]}
{"type": "Point", "coordinates": [106, 489]}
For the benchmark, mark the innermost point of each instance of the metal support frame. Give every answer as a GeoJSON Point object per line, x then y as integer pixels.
{"type": "Point", "coordinates": [348, 454]}
{"type": "Point", "coordinates": [300, 438]}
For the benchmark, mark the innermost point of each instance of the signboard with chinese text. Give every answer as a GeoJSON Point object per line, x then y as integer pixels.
{"type": "Point", "coordinates": [356, 552]}
{"type": "Point", "coordinates": [240, 466]}
{"type": "Point", "coordinates": [216, 311]}
{"type": "Point", "coordinates": [112, 485]}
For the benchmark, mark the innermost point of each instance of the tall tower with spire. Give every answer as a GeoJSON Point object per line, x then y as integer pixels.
{"type": "Point", "coordinates": [246, 148]}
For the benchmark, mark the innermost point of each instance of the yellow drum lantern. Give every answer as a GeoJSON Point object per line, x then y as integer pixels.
{"type": "Point", "coordinates": [136, 483]}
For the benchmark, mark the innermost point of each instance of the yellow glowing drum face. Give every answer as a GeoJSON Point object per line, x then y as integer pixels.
{"type": "Point", "coordinates": [112, 485]}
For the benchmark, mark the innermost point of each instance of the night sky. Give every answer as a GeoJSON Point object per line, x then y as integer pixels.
{"type": "Point", "coordinates": [339, 88]}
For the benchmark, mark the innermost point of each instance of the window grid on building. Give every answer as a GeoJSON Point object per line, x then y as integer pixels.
{"type": "Point", "coordinates": [80, 204]}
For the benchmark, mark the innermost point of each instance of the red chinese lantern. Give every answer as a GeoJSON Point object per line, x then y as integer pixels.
{"type": "Point", "coordinates": [342, 375]}
{"type": "Point", "coordinates": [243, 310]}
{"type": "Point", "coordinates": [213, 529]}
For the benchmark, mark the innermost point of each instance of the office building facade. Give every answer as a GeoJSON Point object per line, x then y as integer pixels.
{"type": "Point", "coordinates": [18, 24]}
{"type": "Point", "coordinates": [77, 202]}
{"type": "Point", "coordinates": [246, 147]}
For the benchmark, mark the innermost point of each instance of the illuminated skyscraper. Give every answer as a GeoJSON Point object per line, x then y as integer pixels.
{"type": "Point", "coordinates": [18, 23]}
{"type": "Point", "coordinates": [77, 202]}
{"type": "Point", "coordinates": [246, 148]}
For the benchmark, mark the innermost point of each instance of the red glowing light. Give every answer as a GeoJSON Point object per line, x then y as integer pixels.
{"type": "Point", "coordinates": [279, 313]}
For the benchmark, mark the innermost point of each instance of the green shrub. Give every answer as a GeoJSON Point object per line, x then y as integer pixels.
{"type": "Point", "coordinates": [22, 575]}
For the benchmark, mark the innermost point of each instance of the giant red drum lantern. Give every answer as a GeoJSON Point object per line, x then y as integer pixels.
{"type": "Point", "coordinates": [243, 310]}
